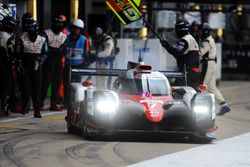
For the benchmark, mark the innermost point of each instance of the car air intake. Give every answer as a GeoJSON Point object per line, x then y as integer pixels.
{"type": "Point", "coordinates": [144, 68]}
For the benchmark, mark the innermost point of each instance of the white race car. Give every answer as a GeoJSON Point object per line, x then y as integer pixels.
{"type": "Point", "coordinates": [141, 100]}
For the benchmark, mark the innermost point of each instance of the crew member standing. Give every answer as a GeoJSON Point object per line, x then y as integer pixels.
{"type": "Point", "coordinates": [208, 53]}
{"type": "Point", "coordinates": [104, 46]}
{"type": "Point", "coordinates": [76, 54]}
{"type": "Point", "coordinates": [61, 87]}
{"type": "Point", "coordinates": [6, 61]}
{"type": "Point", "coordinates": [186, 53]}
{"type": "Point", "coordinates": [194, 29]}
{"type": "Point", "coordinates": [32, 49]}
{"type": "Point", "coordinates": [52, 66]}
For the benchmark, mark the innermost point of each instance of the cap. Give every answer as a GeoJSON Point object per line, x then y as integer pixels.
{"type": "Point", "coordinates": [78, 23]}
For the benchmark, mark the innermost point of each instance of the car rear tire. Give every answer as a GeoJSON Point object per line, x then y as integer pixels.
{"type": "Point", "coordinates": [89, 135]}
{"type": "Point", "coordinates": [85, 132]}
{"type": "Point", "coordinates": [70, 127]}
{"type": "Point", "coordinates": [70, 109]}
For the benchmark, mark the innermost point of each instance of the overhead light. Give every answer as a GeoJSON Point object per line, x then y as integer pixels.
{"type": "Point", "coordinates": [220, 8]}
{"type": "Point", "coordinates": [220, 32]}
{"type": "Point", "coordinates": [239, 10]}
{"type": "Point", "coordinates": [197, 7]}
{"type": "Point", "coordinates": [143, 32]}
{"type": "Point", "coordinates": [144, 8]}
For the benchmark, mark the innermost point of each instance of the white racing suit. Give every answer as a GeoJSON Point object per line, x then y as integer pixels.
{"type": "Point", "coordinates": [103, 59]}
{"type": "Point", "coordinates": [208, 53]}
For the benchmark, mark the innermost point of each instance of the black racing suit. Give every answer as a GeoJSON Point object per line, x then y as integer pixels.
{"type": "Point", "coordinates": [32, 54]}
{"type": "Point", "coordinates": [52, 68]}
{"type": "Point", "coordinates": [6, 59]}
{"type": "Point", "coordinates": [186, 53]}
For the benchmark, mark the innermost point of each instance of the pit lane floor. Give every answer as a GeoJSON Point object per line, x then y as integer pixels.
{"type": "Point", "coordinates": [26, 141]}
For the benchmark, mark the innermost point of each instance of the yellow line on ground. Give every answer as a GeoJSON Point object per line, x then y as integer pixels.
{"type": "Point", "coordinates": [55, 118]}
{"type": "Point", "coordinates": [9, 125]}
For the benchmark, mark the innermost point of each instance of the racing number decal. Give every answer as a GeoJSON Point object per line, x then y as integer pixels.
{"type": "Point", "coordinates": [131, 14]}
{"type": "Point", "coordinates": [152, 105]}
{"type": "Point", "coordinates": [153, 109]}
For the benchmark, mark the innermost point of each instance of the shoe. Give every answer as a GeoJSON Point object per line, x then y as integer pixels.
{"type": "Point", "coordinates": [44, 108]}
{"type": "Point", "coordinates": [37, 114]}
{"type": "Point", "coordinates": [55, 108]}
{"type": "Point", "coordinates": [61, 106]}
{"type": "Point", "coordinates": [24, 112]}
{"type": "Point", "coordinates": [224, 109]}
{"type": "Point", "coordinates": [18, 108]}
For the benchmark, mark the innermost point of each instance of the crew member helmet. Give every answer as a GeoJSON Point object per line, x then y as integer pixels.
{"type": "Point", "coordinates": [32, 26]}
{"type": "Point", "coordinates": [26, 18]}
{"type": "Point", "coordinates": [58, 19]}
{"type": "Point", "coordinates": [63, 17]}
{"type": "Point", "coordinates": [182, 27]}
{"type": "Point", "coordinates": [9, 23]}
{"type": "Point", "coordinates": [78, 23]}
{"type": "Point", "coordinates": [57, 24]}
{"type": "Point", "coordinates": [194, 26]}
{"type": "Point", "coordinates": [206, 29]}
{"type": "Point", "coordinates": [98, 31]}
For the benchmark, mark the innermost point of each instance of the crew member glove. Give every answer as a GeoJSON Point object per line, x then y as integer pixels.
{"type": "Point", "coordinates": [41, 59]}
{"type": "Point", "coordinates": [93, 52]}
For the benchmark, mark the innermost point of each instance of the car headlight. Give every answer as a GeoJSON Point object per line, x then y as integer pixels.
{"type": "Point", "coordinates": [107, 106]}
{"type": "Point", "coordinates": [201, 109]}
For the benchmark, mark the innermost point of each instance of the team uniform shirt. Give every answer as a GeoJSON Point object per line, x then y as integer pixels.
{"type": "Point", "coordinates": [208, 49]}
{"type": "Point", "coordinates": [33, 47]}
{"type": "Point", "coordinates": [108, 46]}
{"type": "Point", "coordinates": [186, 51]}
{"type": "Point", "coordinates": [208, 53]}
{"type": "Point", "coordinates": [76, 51]}
{"type": "Point", "coordinates": [6, 44]}
{"type": "Point", "coordinates": [30, 52]}
{"type": "Point", "coordinates": [4, 37]}
{"type": "Point", "coordinates": [55, 40]}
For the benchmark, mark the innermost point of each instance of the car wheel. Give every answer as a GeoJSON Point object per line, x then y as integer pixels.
{"type": "Point", "coordinates": [85, 132]}
{"type": "Point", "coordinates": [89, 133]}
{"type": "Point", "coordinates": [70, 127]}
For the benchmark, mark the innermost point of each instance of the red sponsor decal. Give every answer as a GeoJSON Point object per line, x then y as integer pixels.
{"type": "Point", "coordinates": [153, 105]}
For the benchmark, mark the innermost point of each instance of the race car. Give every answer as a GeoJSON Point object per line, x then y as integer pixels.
{"type": "Point", "coordinates": [142, 100]}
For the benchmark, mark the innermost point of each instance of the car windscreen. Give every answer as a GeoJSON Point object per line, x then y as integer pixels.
{"type": "Point", "coordinates": [156, 86]}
